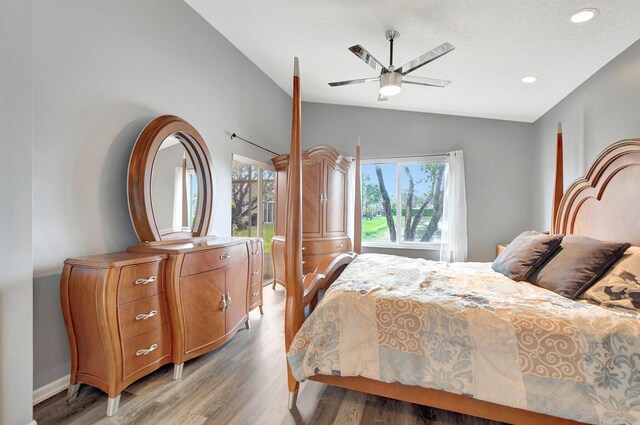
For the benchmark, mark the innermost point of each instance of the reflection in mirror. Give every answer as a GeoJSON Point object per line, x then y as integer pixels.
{"type": "Point", "coordinates": [174, 188]}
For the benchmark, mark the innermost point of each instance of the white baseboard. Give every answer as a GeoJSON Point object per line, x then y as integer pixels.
{"type": "Point", "coordinates": [32, 422]}
{"type": "Point", "coordinates": [50, 390]}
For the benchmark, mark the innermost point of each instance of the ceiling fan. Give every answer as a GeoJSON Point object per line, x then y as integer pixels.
{"type": "Point", "coordinates": [391, 78]}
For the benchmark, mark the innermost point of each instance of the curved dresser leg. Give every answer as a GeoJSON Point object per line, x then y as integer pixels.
{"type": "Point", "coordinates": [177, 371]}
{"type": "Point", "coordinates": [72, 391]}
{"type": "Point", "coordinates": [261, 311]}
{"type": "Point", "coordinates": [112, 405]}
{"type": "Point", "coordinates": [247, 324]}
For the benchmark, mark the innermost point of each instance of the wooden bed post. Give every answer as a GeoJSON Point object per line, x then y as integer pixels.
{"type": "Point", "coordinates": [357, 210]}
{"type": "Point", "coordinates": [294, 310]}
{"type": "Point", "coordinates": [558, 190]}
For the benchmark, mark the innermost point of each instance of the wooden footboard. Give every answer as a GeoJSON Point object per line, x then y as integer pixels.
{"type": "Point", "coordinates": [443, 400]}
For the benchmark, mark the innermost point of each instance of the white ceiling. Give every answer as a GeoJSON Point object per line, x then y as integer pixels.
{"type": "Point", "coordinates": [497, 43]}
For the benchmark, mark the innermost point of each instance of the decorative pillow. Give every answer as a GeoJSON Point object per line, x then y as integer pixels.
{"type": "Point", "coordinates": [577, 265]}
{"type": "Point", "coordinates": [525, 254]}
{"type": "Point", "coordinates": [620, 286]}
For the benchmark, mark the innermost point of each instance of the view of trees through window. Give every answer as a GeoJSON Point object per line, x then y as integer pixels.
{"type": "Point", "coordinates": [253, 205]}
{"type": "Point", "coordinates": [402, 202]}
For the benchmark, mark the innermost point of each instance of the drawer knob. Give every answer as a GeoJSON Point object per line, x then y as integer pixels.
{"type": "Point", "coordinates": [146, 281]}
{"type": "Point", "coordinates": [146, 351]}
{"type": "Point", "coordinates": [304, 248]}
{"type": "Point", "coordinates": [256, 273]}
{"type": "Point", "coordinates": [146, 316]}
{"type": "Point", "coordinates": [226, 301]}
{"type": "Point", "coordinates": [304, 262]}
{"type": "Point", "coordinates": [340, 245]}
{"type": "Point", "coordinates": [222, 257]}
{"type": "Point", "coordinates": [255, 252]}
{"type": "Point", "coordinates": [255, 293]}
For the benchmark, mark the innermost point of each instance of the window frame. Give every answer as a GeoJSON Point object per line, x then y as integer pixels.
{"type": "Point", "coordinates": [399, 161]}
{"type": "Point", "coordinates": [262, 166]}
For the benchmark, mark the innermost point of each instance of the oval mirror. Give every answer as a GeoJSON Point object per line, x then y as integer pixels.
{"type": "Point", "coordinates": [170, 184]}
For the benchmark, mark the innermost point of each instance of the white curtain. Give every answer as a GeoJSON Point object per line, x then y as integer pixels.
{"type": "Point", "coordinates": [454, 230]}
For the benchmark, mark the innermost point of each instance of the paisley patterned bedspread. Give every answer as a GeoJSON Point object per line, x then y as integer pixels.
{"type": "Point", "coordinates": [465, 329]}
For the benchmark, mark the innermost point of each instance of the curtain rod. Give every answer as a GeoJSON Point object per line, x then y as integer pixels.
{"type": "Point", "coordinates": [368, 158]}
{"type": "Point", "coordinates": [251, 143]}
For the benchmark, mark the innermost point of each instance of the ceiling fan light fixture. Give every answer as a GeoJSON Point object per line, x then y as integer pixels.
{"type": "Point", "coordinates": [584, 15]}
{"type": "Point", "coordinates": [390, 83]}
{"type": "Point", "coordinates": [391, 77]}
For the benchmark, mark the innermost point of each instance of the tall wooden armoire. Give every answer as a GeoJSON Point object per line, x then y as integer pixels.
{"type": "Point", "coordinates": [324, 208]}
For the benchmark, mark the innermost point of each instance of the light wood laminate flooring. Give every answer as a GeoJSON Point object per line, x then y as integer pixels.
{"type": "Point", "coordinates": [242, 383]}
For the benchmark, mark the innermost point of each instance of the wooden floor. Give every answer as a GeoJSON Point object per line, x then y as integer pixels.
{"type": "Point", "coordinates": [243, 382]}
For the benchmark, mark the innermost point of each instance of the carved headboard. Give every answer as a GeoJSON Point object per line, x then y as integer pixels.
{"type": "Point", "coordinates": [605, 204]}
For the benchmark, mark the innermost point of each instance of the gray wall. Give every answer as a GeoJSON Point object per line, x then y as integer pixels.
{"type": "Point", "coordinates": [102, 70]}
{"type": "Point", "coordinates": [496, 153]}
{"type": "Point", "coordinates": [16, 309]}
{"type": "Point", "coordinates": [602, 110]}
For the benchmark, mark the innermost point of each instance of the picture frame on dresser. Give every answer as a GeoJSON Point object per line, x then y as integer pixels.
{"type": "Point", "coordinates": [180, 292]}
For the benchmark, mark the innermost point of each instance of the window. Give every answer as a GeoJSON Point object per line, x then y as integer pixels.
{"type": "Point", "coordinates": [253, 203]}
{"type": "Point", "coordinates": [402, 201]}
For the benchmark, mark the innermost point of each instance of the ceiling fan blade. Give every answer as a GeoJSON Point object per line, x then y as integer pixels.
{"type": "Point", "coordinates": [382, 98]}
{"type": "Point", "coordinates": [432, 82]}
{"type": "Point", "coordinates": [430, 56]}
{"type": "Point", "coordinates": [346, 83]}
{"type": "Point", "coordinates": [367, 57]}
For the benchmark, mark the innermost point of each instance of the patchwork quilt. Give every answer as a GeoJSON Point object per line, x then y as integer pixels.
{"type": "Point", "coordinates": [465, 329]}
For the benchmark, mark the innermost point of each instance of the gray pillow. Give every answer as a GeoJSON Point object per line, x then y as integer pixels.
{"type": "Point", "coordinates": [577, 265]}
{"type": "Point", "coordinates": [525, 254]}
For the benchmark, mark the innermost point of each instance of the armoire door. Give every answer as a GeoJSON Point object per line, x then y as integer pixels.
{"type": "Point", "coordinates": [202, 306]}
{"type": "Point", "coordinates": [312, 197]}
{"type": "Point", "coordinates": [237, 276]}
{"type": "Point", "coordinates": [281, 201]}
{"type": "Point", "coordinates": [335, 205]}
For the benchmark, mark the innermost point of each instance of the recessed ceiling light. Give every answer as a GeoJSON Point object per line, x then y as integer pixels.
{"type": "Point", "coordinates": [529, 79]}
{"type": "Point", "coordinates": [584, 15]}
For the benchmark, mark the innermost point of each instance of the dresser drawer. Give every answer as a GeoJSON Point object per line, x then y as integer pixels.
{"type": "Point", "coordinates": [146, 349]}
{"type": "Point", "coordinates": [140, 281]}
{"type": "Point", "coordinates": [255, 274]}
{"type": "Point", "coordinates": [140, 316]}
{"type": "Point", "coordinates": [255, 295]}
{"type": "Point", "coordinates": [310, 262]}
{"type": "Point", "coordinates": [326, 246]}
{"type": "Point", "coordinates": [202, 261]}
{"type": "Point", "coordinates": [256, 249]}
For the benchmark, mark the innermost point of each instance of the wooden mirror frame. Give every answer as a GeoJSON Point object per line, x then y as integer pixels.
{"type": "Point", "coordinates": [141, 171]}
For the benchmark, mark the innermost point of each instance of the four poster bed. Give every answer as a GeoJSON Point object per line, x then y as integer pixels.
{"type": "Point", "coordinates": [460, 336]}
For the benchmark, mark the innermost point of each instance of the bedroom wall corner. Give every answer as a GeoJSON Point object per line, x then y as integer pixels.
{"type": "Point", "coordinates": [602, 110]}
{"type": "Point", "coordinates": [16, 263]}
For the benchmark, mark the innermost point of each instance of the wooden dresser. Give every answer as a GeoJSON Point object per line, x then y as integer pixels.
{"type": "Point", "coordinates": [324, 208]}
{"type": "Point", "coordinates": [211, 284]}
{"type": "Point", "coordinates": [129, 313]}
{"type": "Point", "coordinates": [178, 294]}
